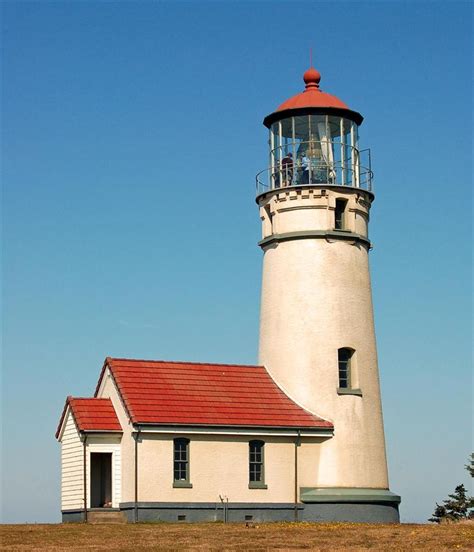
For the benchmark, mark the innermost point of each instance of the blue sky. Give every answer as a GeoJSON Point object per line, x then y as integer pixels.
{"type": "Point", "coordinates": [132, 133]}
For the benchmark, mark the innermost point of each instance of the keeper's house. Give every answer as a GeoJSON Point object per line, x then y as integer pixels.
{"type": "Point", "coordinates": [180, 441]}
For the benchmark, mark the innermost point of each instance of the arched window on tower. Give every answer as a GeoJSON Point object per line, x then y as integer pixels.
{"type": "Point", "coordinates": [348, 372]}
{"type": "Point", "coordinates": [344, 357]}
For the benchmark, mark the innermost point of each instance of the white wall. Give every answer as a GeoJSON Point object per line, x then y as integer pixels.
{"type": "Point", "coordinates": [316, 298]}
{"type": "Point", "coordinates": [109, 390]}
{"type": "Point", "coordinates": [219, 465]}
{"type": "Point", "coordinates": [72, 482]}
{"type": "Point", "coordinates": [72, 461]}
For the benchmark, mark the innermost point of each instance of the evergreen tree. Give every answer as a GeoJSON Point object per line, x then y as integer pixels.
{"type": "Point", "coordinates": [439, 514]}
{"type": "Point", "coordinates": [455, 507]}
{"type": "Point", "coordinates": [470, 467]}
{"type": "Point", "coordinates": [458, 505]}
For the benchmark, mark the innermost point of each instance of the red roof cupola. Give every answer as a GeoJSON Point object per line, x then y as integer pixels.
{"type": "Point", "coordinates": [312, 100]}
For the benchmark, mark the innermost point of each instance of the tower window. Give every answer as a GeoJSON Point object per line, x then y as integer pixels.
{"type": "Point", "coordinates": [344, 359]}
{"type": "Point", "coordinates": [256, 465]}
{"type": "Point", "coordinates": [181, 463]}
{"type": "Point", "coordinates": [339, 214]}
{"type": "Point", "coordinates": [268, 212]}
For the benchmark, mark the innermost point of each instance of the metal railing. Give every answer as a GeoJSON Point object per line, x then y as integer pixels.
{"type": "Point", "coordinates": [316, 168]}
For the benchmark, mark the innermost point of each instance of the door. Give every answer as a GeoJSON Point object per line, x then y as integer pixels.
{"type": "Point", "coordinates": [101, 480]}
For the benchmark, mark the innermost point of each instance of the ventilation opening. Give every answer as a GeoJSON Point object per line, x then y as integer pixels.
{"type": "Point", "coordinates": [248, 518]}
{"type": "Point", "coordinates": [181, 517]}
{"type": "Point", "coordinates": [339, 214]}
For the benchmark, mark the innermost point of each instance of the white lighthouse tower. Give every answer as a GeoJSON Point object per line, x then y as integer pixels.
{"type": "Point", "coordinates": [317, 336]}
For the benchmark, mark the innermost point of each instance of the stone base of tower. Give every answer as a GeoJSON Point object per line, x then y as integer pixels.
{"type": "Point", "coordinates": [351, 505]}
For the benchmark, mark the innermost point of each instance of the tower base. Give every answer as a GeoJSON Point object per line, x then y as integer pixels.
{"type": "Point", "coordinates": [352, 505]}
{"type": "Point", "coordinates": [324, 505]}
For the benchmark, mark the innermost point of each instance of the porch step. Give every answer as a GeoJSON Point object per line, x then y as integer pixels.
{"type": "Point", "coordinates": [106, 517]}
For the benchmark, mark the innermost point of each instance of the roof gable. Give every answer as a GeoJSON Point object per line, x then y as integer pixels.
{"type": "Point", "coordinates": [197, 394]}
{"type": "Point", "coordinates": [91, 414]}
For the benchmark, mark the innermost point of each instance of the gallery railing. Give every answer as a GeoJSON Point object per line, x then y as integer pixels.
{"type": "Point", "coordinates": [319, 167]}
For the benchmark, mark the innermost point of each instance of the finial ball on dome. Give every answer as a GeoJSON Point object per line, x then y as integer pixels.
{"type": "Point", "coordinates": [312, 78]}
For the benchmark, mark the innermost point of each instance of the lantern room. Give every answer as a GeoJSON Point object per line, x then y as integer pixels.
{"type": "Point", "coordinates": [314, 141]}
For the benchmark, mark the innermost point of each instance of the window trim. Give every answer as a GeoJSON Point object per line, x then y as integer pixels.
{"type": "Point", "coordinates": [182, 483]}
{"type": "Point", "coordinates": [348, 390]}
{"type": "Point", "coordinates": [257, 484]}
{"type": "Point", "coordinates": [340, 224]}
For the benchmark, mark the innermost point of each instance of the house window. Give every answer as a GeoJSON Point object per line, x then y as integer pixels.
{"type": "Point", "coordinates": [256, 465]}
{"type": "Point", "coordinates": [339, 214]}
{"type": "Point", "coordinates": [344, 358]}
{"type": "Point", "coordinates": [181, 463]}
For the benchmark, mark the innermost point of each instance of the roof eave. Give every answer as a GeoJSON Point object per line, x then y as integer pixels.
{"type": "Point", "coordinates": [321, 431]}
{"type": "Point", "coordinates": [308, 110]}
{"type": "Point", "coordinates": [117, 431]}
{"type": "Point", "coordinates": [63, 417]}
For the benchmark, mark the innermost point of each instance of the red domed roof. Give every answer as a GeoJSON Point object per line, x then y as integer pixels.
{"type": "Point", "coordinates": [313, 98]}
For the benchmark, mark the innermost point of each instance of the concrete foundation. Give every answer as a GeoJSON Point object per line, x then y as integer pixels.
{"type": "Point", "coordinates": [355, 513]}
{"type": "Point", "coordinates": [209, 511]}
{"type": "Point", "coordinates": [189, 512]}
{"type": "Point", "coordinates": [72, 516]}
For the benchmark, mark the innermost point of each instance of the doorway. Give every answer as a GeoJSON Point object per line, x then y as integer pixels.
{"type": "Point", "coordinates": [101, 480]}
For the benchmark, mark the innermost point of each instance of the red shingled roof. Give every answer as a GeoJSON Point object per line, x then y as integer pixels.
{"type": "Point", "coordinates": [91, 415]}
{"type": "Point", "coordinates": [185, 393]}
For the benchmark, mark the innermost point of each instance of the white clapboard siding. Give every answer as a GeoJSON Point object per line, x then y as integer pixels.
{"type": "Point", "coordinates": [72, 483]}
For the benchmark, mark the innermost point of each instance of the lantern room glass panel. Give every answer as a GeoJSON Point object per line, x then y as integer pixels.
{"type": "Point", "coordinates": [274, 154]}
{"type": "Point", "coordinates": [348, 157]}
{"type": "Point", "coordinates": [287, 152]}
{"type": "Point", "coordinates": [314, 149]}
{"type": "Point", "coordinates": [301, 137]}
{"type": "Point", "coordinates": [287, 136]}
{"type": "Point", "coordinates": [334, 134]}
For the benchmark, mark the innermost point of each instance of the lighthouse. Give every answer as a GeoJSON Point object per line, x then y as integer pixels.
{"type": "Point", "coordinates": [317, 336]}
{"type": "Point", "coordinates": [298, 437]}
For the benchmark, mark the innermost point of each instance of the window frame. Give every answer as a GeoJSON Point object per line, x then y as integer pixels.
{"type": "Point", "coordinates": [340, 208]}
{"type": "Point", "coordinates": [182, 483]}
{"type": "Point", "coordinates": [261, 464]}
{"type": "Point", "coordinates": [348, 389]}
